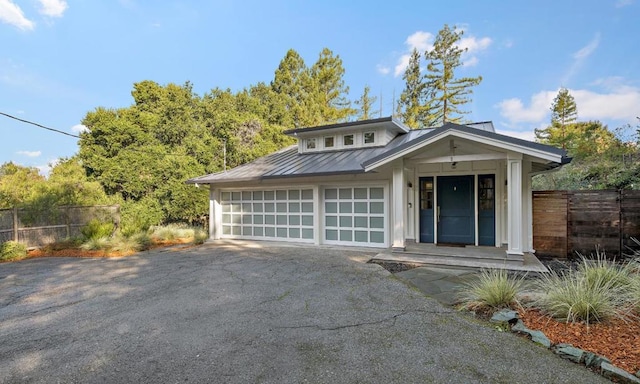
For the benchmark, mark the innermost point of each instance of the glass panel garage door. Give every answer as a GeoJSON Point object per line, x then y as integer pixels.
{"type": "Point", "coordinates": [272, 214]}
{"type": "Point", "coordinates": [355, 216]}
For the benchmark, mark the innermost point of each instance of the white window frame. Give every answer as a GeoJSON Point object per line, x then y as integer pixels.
{"type": "Point", "coordinates": [333, 141]}
{"type": "Point", "coordinates": [364, 137]}
{"type": "Point", "coordinates": [311, 144]}
{"type": "Point", "coordinates": [353, 140]}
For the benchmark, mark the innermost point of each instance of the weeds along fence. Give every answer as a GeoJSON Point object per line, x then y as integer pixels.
{"type": "Point", "coordinates": [37, 227]}
{"type": "Point", "coordinates": [566, 222]}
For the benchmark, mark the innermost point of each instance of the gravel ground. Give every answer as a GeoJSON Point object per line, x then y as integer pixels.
{"type": "Point", "coordinates": [236, 312]}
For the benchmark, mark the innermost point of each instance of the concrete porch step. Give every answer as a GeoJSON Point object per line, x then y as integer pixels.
{"type": "Point", "coordinates": [530, 264]}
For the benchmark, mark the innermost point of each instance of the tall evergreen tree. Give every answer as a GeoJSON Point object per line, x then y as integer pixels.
{"type": "Point", "coordinates": [449, 93]}
{"type": "Point", "coordinates": [291, 79]}
{"type": "Point", "coordinates": [564, 113]}
{"type": "Point", "coordinates": [413, 106]}
{"type": "Point", "coordinates": [331, 93]}
{"type": "Point", "coordinates": [366, 103]}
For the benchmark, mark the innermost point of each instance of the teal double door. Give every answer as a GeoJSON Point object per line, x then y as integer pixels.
{"type": "Point", "coordinates": [453, 212]}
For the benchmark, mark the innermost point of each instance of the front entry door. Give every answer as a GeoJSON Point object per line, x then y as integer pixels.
{"type": "Point", "coordinates": [426, 209]}
{"type": "Point", "coordinates": [455, 210]}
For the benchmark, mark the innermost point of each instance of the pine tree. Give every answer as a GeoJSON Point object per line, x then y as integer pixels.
{"type": "Point", "coordinates": [329, 89]}
{"type": "Point", "coordinates": [291, 79]}
{"type": "Point", "coordinates": [564, 112]}
{"type": "Point", "coordinates": [413, 107]}
{"type": "Point", "coordinates": [366, 103]}
{"type": "Point", "coordinates": [449, 93]}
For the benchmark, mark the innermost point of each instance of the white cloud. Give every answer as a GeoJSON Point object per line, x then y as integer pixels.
{"type": "Point", "coordinates": [580, 56]}
{"type": "Point", "coordinates": [588, 49]}
{"type": "Point", "coordinates": [53, 8]}
{"type": "Point", "coordinates": [29, 153]}
{"type": "Point", "coordinates": [383, 69]}
{"type": "Point", "coordinates": [617, 101]}
{"type": "Point", "coordinates": [623, 3]}
{"type": "Point", "coordinates": [524, 135]}
{"type": "Point", "coordinates": [419, 40]}
{"type": "Point", "coordinates": [12, 14]}
{"type": "Point", "coordinates": [79, 128]}
{"type": "Point", "coordinates": [516, 112]}
{"type": "Point", "coordinates": [423, 41]}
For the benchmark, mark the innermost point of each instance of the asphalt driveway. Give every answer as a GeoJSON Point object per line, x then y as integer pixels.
{"type": "Point", "coordinates": [254, 313]}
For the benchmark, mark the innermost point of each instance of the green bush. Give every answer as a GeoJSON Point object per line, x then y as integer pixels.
{"type": "Point", "coordinates": [200, 236]}
{"type": "Point", "coordinates": [493, 289]}
{"type": "Point", "coordinates": [573, 297]}
{"type": "Point", "coordinates": [603, 271]}
{"type": "Point", "coordinates": [12, 250]}
{"type": "Point", "coordinates": [97, 229]}
{"type": "Point", "coordinates": [97, 244]}
{"type": "Point", "coordinates": [139, 216]}
{"type": "Point", "coordinates": [172, 232]}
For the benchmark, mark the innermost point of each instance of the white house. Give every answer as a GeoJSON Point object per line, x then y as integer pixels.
{"type": "Point", "coordinates": [377, 183]}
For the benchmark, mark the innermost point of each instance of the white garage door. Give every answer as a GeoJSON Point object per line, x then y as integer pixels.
{"type": "Point", "coordinates": [269, 214]}
{"type": "Point", "coordinates": [355, 216]}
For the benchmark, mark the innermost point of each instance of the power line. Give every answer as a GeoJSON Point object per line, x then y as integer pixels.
{"type": "Point", "coordinates": [38, 125]}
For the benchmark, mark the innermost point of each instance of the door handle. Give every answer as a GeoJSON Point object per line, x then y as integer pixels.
{"type": "Point", "coordinates": [438, 213]}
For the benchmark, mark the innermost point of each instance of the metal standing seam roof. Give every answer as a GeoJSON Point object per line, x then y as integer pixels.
{"type": "Point", "coordinates": [287, 162]}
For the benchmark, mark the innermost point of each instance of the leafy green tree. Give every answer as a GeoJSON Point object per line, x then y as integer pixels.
{"type": "Point", "coordinates": [448, 93]}
{"type": "Point", "coordinates": [291, 83]}
{"type": "Point", "coordinates": [366, 104]}
{"type": "Point", "coordinates": [414, 106]}
{"type": "Point", "coordinates": [18, 184]}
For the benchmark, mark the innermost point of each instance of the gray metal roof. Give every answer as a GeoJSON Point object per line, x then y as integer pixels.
{"type": "Point", "coordinates": [289, 163]}
{"type": "Point", "coordinates": [389, 123]}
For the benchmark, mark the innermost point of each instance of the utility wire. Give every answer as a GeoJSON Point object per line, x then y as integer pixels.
{"type": "Point", "coordinates": [38, 125]}
{"type": "Point", "coordinates": [76, 136]}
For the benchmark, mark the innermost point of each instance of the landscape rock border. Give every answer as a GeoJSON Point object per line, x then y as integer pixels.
{"type": "Point", "coordinates": [567, 351]}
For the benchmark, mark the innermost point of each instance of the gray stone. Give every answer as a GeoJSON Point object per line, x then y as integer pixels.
{"type": "Point", "coordinates": [504, 316]}
{"type": "Point", "coordinates": [638, 373]}
{"type": "Point", "coordinates": [536, 336]}
{"type": "Point", "coordinates": [619, 375]}
{"type": "Point", "coordinates": [540, 338]}
{"type": "Point", "coordinates": [569, 352]}
{"type": "Point", "coordinates": [594, 360]}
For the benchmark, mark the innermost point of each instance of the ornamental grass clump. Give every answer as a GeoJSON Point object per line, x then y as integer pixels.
{"type": "Point", "coordinates": [577, 297]}
{"type": "Point", "coordinates": [97, 244]}
{"type": "Point", "coordinates": [602, 271]}
{"type": "Point", "coordinates": [494, 289]}
{"type": "Point", "coordinates": [172, 232]}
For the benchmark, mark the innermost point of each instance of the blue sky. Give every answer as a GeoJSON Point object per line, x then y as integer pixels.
{"type": "Point", "coordinates": [60, 59]}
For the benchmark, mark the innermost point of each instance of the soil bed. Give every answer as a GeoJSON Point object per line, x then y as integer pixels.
{"type": "Point", "coordinates": [617, 340]}
{"type": "Point", "coordinates": [394, 267]}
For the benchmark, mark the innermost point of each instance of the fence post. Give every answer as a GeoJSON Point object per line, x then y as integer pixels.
{"type": "Point", "coordinates": [66, 221]}
{"type": "Point", "coordinates": [15, 224]}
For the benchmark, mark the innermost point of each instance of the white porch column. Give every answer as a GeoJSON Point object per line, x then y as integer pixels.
{"type": "Point", "coordinates": [318, 210]}
{"type": "Point", "coordinates": [399, 206]}
{"type": "Point", "coordinates": [527, 208]}
{"type": "Point", "coordinates": [215, 214]}
{"type": "Point", "coordinates": [514, 206]}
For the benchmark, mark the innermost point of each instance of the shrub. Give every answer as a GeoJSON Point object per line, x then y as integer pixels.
{"type": "Point", "coordinates": [139, 216]}
{"type": "Point", "coordinates": [200, 236]}
{"type": "Point", "coordinates": [96, 229]}
{"type": "Point", "coordinates": [573, 297]}
{"type": "Point", "coordinates": [12, 250]}
{"type": "Point", "coordinates": [97, 244]}
{"type": "Point", "coordinates": [494, 289]}
{"type": "Point", "coordinates": [602, 271]}
{"type": "Point", "coordinates": [172, 232]}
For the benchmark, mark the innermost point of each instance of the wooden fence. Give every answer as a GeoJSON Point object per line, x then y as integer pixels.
{"type": "Point", "coordinates": [567, 222]}
{"type": "Point", "coordinates": [36, 228]}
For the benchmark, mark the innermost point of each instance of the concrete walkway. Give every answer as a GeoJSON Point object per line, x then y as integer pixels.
{"type": "Point", "coordinates": [441, 284]}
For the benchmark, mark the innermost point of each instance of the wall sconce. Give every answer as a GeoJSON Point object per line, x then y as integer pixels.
{"type": "Point", "coordinates": [453, 165]}
{"type": "Point", "coordinates": [409, 185]}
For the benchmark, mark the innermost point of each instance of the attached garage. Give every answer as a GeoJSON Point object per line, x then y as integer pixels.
{"type": "Point", "coordinates": [355, 216]}
{"type": "Point", "coordinates": [278, 214]}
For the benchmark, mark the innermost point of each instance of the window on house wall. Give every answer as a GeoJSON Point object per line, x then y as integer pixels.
{"type": "Point", "coordinates": [347, 140]}
{"type": "Point", "coordinates": [369, 137]}
{"type": "Point", "coordinates": [328, 142]}
{"type": "Point", "coordinates": [311, 143]}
